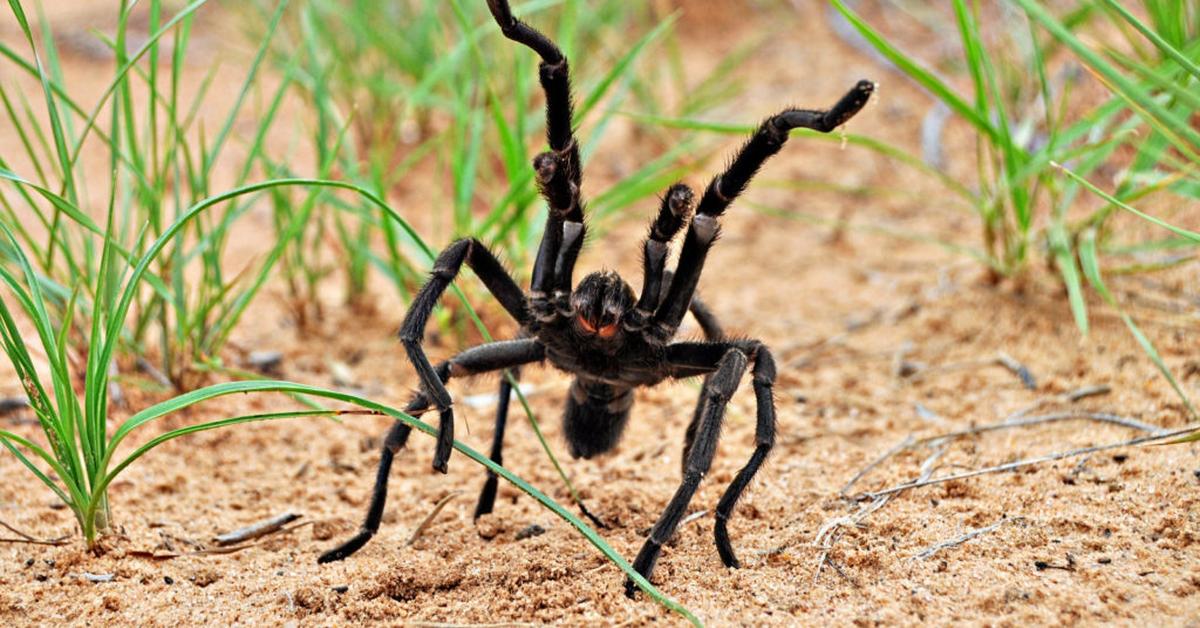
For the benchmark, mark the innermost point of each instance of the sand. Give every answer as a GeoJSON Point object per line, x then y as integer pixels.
{"type": "Point", "coordinates": [878, 339]}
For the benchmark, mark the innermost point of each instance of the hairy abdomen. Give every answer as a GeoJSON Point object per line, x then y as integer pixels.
{"type": "Point", "coordinates": [595, 417]}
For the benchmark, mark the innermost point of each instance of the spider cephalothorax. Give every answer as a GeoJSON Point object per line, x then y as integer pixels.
{"type": "Point", "coordinates": [598, 331]}
{"type": "Point", "coordinates": [598, 305]}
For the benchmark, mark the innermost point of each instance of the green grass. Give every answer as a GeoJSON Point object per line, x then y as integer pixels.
{"type": "Point", "coordinates": [92, 290]}
{"type": "Point", "coordinates": [447, 99]}
{"type": "Point", "coordinates": [161, 159]}
{"type": "Point", "coordinates": [1026, 201]}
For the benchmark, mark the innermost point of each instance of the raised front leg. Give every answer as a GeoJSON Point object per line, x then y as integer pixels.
{"type": "Point", "coordinates": [559, 171]}
{"type": "Point", "coordinates": [672, 214]}
{"type": "Point", "coordinates": [724, 188]}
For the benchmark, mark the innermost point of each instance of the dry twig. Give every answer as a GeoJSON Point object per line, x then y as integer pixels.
{"type": "Point", "coordinates": [25, 538]}
{"type": "Point", "coordinates": [829, 533]}
{"type": "Point", "coordinates": [429, 517]}
{"type": "Point", "coordinates": [1070, 396]}
{"type": "Point", "coordinates": [1157, 436]}
{"type": "Point", "coordinates": [256, 530]}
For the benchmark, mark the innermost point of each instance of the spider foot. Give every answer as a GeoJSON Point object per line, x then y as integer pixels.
{"type": "Point", "coordinates": [630, 589]}
{"type": "Point", "coordinates": [344, 550]}
{"type": "Point", "coordinates": [643, 564]}
{"type": "Point", "coordinates": [724, 548]}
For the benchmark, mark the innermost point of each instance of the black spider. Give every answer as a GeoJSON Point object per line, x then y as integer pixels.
{"type": "Point", "coordinates": [610, 340]}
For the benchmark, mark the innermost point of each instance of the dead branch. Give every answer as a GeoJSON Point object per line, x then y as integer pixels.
{"type": "Point", "coordinates": [25, 538]}
{"type": "Point", "coordinates": [829, 533]}
{"type": "Point", "coordinates": [1070, 396]}
{"type": "Point", "coordinates": [901, 446]}
{"type": "Point", "coordinates": [256, 530]}
{"type": "Point", "coordinates": [429, 517]}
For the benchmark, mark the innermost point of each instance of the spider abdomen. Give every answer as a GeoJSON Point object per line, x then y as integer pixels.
{"type": "Point", "coordinates": [595, 417]}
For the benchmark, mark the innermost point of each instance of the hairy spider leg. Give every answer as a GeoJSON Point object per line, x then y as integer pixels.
{"type": "Point", "coordinates": [673, 212]}
{"type": "Point", "coordinates": [725, 363]}
{"type": "Point", "coordinates": [493, 356]}
{"type": "Point", "coordinates": [700, 355]}
{"type": "Point", "coordinates": [412, 330]}
{"type": "Point", "coordinates": [559, 170]}
{"type": "Point", "coordinates": [720, 383]}
{"type": "Point", "coordinates": [724, 188]}
{"type": "Point", "coordinates": [717, 392]}
{"type": "Point", "coordinates": [487, 496]}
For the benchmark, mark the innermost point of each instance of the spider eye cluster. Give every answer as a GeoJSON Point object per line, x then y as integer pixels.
{"type": "Point", "coordinates": [599, 302]}
{"type": "Point", "coordinates": [602, 330]}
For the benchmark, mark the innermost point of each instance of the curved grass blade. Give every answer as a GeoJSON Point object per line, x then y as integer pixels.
{"type": "Point", "coordinates": [162, 409]}
{"type": "Point", "coordinates": [1163, 45]}
{"type": "Point", "coordinates": [1190, 235]}
{"type": "Point", "coordinates": [1091, 269]}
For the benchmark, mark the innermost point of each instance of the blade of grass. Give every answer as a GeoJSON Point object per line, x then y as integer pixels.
{"type": "Point", "coordinates": [1091, 268]}
{"type": "Point", "coordinates": [1190, 235]}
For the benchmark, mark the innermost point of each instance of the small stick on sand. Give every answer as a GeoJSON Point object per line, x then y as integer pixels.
{"type": "Point", "coordinates": [1067, 397]}
{"type": "Point", "coordinates": [25, 538]}
{"type": "Point", "coordinates": [12, 404]}
{"type": "Point", "coordinates": [959, 540]}
{"type": "Point", "coordinates": [1157, 436]}
{"type": "Point", "coordinates": [256, 530]}
{"type": "Point", "coordinates": [1100, 417]}
{"type": "Point", "coordinates": [231, 549]}
{"type": "Point", "coordinates": [692, 517]}
{"type": "Point", "coordinates": [146, 367]}
{"type": "Point", "coordinates": [1018, 369]}
{"type": "Point", "coordinates": [429, 517]}
{"type": "Point", "coordinates": [1087, 391]}
{"type": "Point", "coordinates": [1011, 423]}
{"type": "Point", "coordinates": [901, 446]}
{"type": "Point", "coordinates": [829, 533]}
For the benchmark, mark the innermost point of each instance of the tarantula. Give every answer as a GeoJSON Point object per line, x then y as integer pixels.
{"type": "Point", "coordinates": [598, 331]}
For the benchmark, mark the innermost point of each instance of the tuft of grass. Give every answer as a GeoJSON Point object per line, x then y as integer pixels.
{"type": "Point", "coordinates": [161, 159]}
{"type": "Point", "coordinates": [1027, 120]}
{"type": "Point", "coordinates": [431, 90]}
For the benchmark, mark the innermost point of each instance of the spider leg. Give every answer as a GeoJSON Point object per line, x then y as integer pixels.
{"type": "Point", "coordinates": [562, 238]}
{"type": "Point", "coordinates": [412, 330]}
{"type": "Point", "coordinates": [487, 497]}
{"type": "Point", "coordinates": [724, 188]}
{"type": "Point", "coordinates": [689, 356]}
{"type": "Point", "coordinates": [489, 357]}
{"type": "Point", "coordinates": [673, 212]}
{"type": "Point", "coordinates": [712, 333]}
{"type": "Point", "coordinates": [559, 170]}
{"type": "Point", "coordinates": [717, 392]}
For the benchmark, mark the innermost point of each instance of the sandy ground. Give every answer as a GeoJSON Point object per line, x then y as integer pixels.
{"type": "Point", "coordinates": [878, 340]}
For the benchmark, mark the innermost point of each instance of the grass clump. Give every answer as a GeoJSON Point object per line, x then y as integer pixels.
{"type": "Point", "coordinates": [1042, 137]}
{"type": "Point", "coordinates": [161, 159]}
